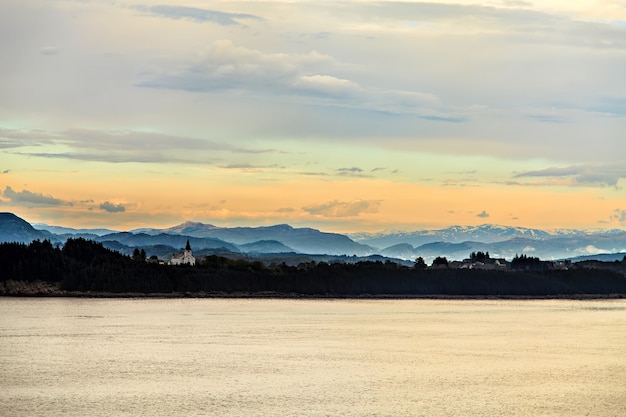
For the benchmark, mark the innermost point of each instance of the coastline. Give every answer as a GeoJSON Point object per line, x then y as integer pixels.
{"type": "Point", "coordinates": [44, 289]}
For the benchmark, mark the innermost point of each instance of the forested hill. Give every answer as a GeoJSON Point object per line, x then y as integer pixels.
{"type": "Point", "coordinates": [83, 265]}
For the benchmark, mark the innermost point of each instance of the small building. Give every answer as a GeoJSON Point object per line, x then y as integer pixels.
{"type": "Point", "coordinates": [184, 258]}
{"type": "Point", "coordinates": [487, 264]}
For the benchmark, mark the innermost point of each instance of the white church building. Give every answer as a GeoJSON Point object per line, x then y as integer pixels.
{"type": "Point", "coordinates": [184, 258]}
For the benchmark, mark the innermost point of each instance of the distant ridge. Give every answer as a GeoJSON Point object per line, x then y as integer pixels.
{"type": "Point", "coordinates": [60, 230]}
{"type": "Point", "coordinates": [195, 229]}
{"type": "Point", "coordinates": [485, 233]}
{"type": "Point", "coordinates": [304, 240]}
{"type": "Point", "coordinates": [16, 229]}
{"type": "Point", "coordinates": [455, 242]}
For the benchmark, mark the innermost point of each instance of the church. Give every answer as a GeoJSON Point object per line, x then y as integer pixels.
{"type": "Point", "coordinates": [184, 258]}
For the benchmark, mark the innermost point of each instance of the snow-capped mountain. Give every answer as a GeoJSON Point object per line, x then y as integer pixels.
{"type": "Point", "coordinates": [485, 233]}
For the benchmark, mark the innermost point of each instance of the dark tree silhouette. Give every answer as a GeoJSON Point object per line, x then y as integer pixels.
{"type": "Point", "coordinates": [440, 261]}
{"type": "Point", "coordinates": [420, 263]}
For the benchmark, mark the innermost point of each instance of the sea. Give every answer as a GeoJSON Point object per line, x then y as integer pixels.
{"type": "Point", "coordinates": [311, 357]}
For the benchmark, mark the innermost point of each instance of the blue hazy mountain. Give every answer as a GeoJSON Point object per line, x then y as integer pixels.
{"type": "Point", "coordinates": [554, 247]}
{"type": "Point", "coordinates": [171, 240]}
{"type": "Point", "coordinates": [16, 229]}
{"type": "Point", "coordinates": [265, 246]}
{"type": "Point", "coordinates": [60, 230]}
{"type": "Point", "coordinates": [304, 240]}
{"type": "Point", "coordinates": [455, 242]}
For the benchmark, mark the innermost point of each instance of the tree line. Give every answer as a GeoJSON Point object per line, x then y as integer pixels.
{"type": "Point", "coordinates": [82, 265]}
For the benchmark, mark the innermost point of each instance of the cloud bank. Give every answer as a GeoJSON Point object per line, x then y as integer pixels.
{"type": "Point", "coordinates": [28, 198]}
{"type": "Point", "coordinates": [343, 208]}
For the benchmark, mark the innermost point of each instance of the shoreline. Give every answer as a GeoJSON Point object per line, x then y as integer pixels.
{"type": "Point", "coordinates": [43, 289]}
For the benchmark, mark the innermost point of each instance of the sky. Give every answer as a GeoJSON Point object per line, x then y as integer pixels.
{"type": "Point", "coordinates": [346, 116]}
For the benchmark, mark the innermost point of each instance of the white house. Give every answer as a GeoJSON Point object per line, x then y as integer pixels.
{"type": "Point", "coordinates": [183, 258]}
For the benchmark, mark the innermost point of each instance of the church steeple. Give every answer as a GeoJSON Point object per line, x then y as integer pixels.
{"type": "Point", "coordinates": [188, 247]}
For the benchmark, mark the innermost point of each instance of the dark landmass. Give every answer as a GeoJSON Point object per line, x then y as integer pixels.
{"type": "Point", "coordinates": [86, 268]}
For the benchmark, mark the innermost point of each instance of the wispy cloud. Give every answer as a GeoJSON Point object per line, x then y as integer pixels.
{"type": "Point", "coordinates": [352, 172]}
{"type": "Point", "coordinates": [619, 216]}
{"type": "Point", "coordinates": [198, 15]}
{"type": "Point", "coordinates": [583, 175]}
{"type": "Point", "coordinates": [224, 66]}
{"type": "Point", "coordinates": [28, 198]}
{"type": "Point", "coordinates": [343, 208]}
{"type": "Point", "coordinates": [119, 146]}
{"type": "Point", "coordinates": [249, 168]}
{"type": "Point", "coordinates": [12, 138]}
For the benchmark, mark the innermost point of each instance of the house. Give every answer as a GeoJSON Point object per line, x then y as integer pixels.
{"type": "Point", "coordinates": [184, 258]}
{"type": "Point", "coordinates": [488, 263]}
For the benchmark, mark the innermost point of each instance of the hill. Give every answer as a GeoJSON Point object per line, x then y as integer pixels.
{"type": "Point", "coordinates": [16, 229]}
{"type": "Point", "coordinates": [454, 243]}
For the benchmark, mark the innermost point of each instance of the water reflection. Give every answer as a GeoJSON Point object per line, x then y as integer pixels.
{"type": "Point", "coordinates": [312, 357]}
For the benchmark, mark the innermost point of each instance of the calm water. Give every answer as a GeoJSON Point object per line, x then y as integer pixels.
{"type": "Point", "coordinates": [216, 357]}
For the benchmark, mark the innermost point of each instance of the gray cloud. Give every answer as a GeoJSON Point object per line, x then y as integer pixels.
{"type": "Point", "coordinates": [112, 208]}
{"type": "Point", "coordinates": [10, 138]}
{"type": "Point", "coordinates": [352, 172]}
{"type": "Point", "coordinates": [483, 214]}
{"type": "Point", "coordinates": [226, 66]}
{"type": "Point", "coordinates": [343, 208]}
{"type": "Point", "coordinates": [128, 140]}
{"type": "Point", "coordinates": [123, 146]}
{"type": "Point", "coordinates": [599, 175]}
{"type": "Point", "coordinates": [197, 15]}
{"type": "Point", "coordinates": [26, 197]}
{"type": "Point", "coordinates": [619, 215]}
{"type": "Point", "coordinates": [247, 167]}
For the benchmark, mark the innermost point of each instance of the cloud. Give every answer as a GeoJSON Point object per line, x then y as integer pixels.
{"type": "Point", "coordinates": [26, 197]}
{"type": "Point", "coordinates": [120, 146]}
{"type": "Point", "coordinates": [352, 172]}
{"type": "Point", "coordinates": [599, 175]}
{"type": "Point", "coordinates": [224, 66]}
{"type": "Point", "coordinates": [483, 214]}
{"type": "Point", "coordinates": [249, 168]}
{"type": "Point", "coordinates": [197, 15]}
{"type": "Point", "coordinates": [6, 171]}
{"type": "Point", "coordinates": [619, 216]}
{"type": "Point", "coordinates": [326, 85]}
{"type": "Point", "coordinates": [112, 208]}
{"type": "Point", "coordinates": [11, 138]}
{"type": "Point", "coordinates": [343, 209]}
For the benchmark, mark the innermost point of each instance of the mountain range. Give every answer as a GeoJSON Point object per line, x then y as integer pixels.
{"type": "Point", "coordinates": [455, 242]}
